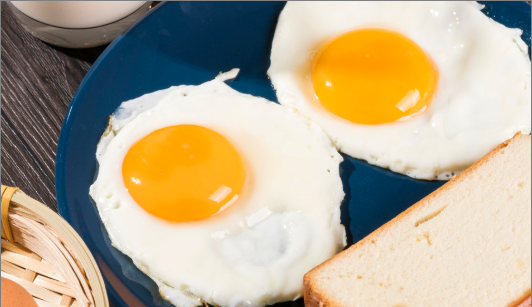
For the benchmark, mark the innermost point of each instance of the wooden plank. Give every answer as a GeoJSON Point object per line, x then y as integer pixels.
{"type": "Point", "coordinates": [38, 82]}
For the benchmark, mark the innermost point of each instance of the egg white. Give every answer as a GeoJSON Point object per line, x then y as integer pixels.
{"type": "Point", "coordinates": [483, 95]}
{"type": "Point", "coordinates": [285, 222]}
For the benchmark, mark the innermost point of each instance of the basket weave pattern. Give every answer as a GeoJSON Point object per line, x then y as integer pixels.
{"type": "Point", "coordinates": [37, 256]}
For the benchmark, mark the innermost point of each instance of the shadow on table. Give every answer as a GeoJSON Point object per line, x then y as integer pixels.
{"type": "Point", "coordinates": [88, 55]}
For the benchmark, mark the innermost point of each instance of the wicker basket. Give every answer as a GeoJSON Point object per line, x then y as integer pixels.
{"type": "Point", "coordinates": [42, 253]}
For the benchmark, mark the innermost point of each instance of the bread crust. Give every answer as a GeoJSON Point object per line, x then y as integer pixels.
{"type": "Point", "coordinates": [315, 298]}
{"type": "Point", "coordinates": [526, 302]}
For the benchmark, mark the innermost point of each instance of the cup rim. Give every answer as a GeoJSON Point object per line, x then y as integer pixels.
{"type": "Point", "coordinates": [58, 27]}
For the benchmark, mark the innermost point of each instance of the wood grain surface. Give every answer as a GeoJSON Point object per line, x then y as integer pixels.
{"type": "Point", "coordinates": [38, 82]}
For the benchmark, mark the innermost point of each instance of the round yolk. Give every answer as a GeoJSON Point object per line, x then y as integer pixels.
{"type": "Point", "coordinates": [373, 76]}
{"type": "Point", "coordinates": [183, 173]}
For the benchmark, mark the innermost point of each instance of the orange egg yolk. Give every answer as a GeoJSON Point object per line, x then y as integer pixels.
{"type": "Point", "coordinates": [183, 173]}
{"type": "Point", "coordinates": [373, 76]}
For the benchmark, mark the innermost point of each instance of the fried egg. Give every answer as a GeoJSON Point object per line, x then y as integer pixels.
{"type": "Point", "coordinates": [423, 88]}
{"type": "Point", "coordinates": [218, 196]}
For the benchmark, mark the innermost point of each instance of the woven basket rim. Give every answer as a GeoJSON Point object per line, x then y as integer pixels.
{"type": "Point", "coordinates": [33, 224]}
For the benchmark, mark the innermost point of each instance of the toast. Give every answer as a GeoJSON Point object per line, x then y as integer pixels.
{"type": "Point", "coordinates": [466, 244]}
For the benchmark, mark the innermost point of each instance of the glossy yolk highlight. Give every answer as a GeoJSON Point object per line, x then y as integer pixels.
{"type": "Point", "coordinates": [183, 173]}
{"type": "Point", "coordinates": [373, 76]}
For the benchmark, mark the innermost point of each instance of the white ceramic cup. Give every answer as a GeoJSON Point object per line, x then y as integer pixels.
{"type": "Point", "coordinates": [78, 24]}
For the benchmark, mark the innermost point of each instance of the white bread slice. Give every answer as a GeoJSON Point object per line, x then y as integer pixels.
{"type": "Point", "coordinates": [466, 244]}
{"type": "Point", "coordinates": [526, 303]}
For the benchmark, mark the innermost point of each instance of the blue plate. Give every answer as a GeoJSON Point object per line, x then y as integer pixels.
{"type": "Point", "coordinates": [189, 43]}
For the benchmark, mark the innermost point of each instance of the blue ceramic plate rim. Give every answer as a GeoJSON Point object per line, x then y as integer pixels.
{"type": "Point", "coordinates": [72, 109]}
{"type": "Point", "coordinates": [62, 204]}
{"type": "Point", "coordinates": [68, 123]}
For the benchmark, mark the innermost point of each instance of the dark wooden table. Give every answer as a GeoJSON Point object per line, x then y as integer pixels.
{"type": "Point", "coordinates": [38, 82]}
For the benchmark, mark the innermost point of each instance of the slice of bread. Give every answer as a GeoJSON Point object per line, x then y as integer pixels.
{"type": "Point", "coordinates": [466, 244]}
{"type": "Point", "coordinates": [526, 303]}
